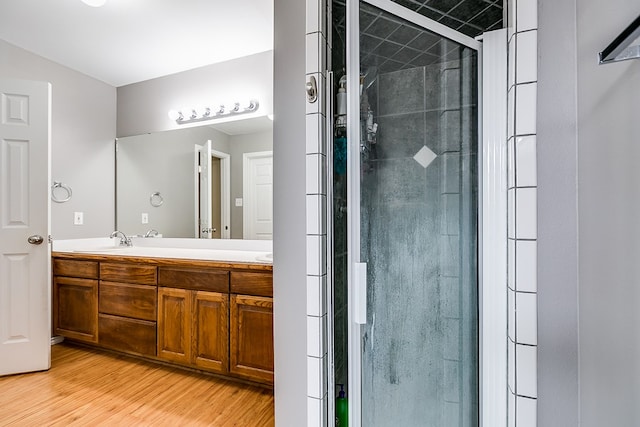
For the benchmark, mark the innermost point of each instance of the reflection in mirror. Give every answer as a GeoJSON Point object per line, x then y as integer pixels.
{"type": "Point", "coordinates": [215, 181]}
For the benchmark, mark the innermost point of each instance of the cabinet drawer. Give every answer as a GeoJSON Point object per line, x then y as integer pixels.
{"type": "Point", "coordinates": [121, 299]}
{"type": "Point", "coordinates": [259, 284]}
{"type": "Point", "coordinates": [72, 268]}
{"type": "Point", "coordinates": [130, 273]}
{"type": "Point", "coordinates": [132, 335]}
{"type": "Point", "coordinates": [199, 280]}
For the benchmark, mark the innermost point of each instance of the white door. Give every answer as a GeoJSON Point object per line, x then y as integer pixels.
{"type": "Point", "coordinates": [25, 284]}
{"type": "Point", "coordinates": [258, 195]}
{"type": "Point", "coordinates": [203, 191]}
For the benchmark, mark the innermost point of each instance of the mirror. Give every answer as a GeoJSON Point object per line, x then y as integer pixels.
{"type": "Point", "coordinates": [209, 181]}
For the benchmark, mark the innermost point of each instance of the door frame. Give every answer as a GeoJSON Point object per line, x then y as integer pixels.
{"type": "Point", "coordinates": [492, 218]}
{"type": "Point", "coordinates": [246, 157]}
{"type": "Point", "coordinates": [225, 193]}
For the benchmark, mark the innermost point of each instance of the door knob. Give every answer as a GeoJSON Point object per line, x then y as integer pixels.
{"type": "Point", "coordinates": [35, 239]}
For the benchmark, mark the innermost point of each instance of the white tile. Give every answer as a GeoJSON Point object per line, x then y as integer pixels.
{"type": "Point", "coordinates": [315, 256]}
{"type": "Point", "coordinates": [511, 364]}
{"type": "Point", "coordinates": [526, 318]}
{"type": "Point", "coordinates": [316, 214]}
{"type": "Point", "coordinates": [526, 409]}
{"type": "Point", "coordinates": [527, 57]}
{"type": "Point", "coordinates": [315, 134]}
{"type": "Point", "coordinates": [319, 105]}
{"type": "Point", "coordinates": [511, 108]}
{"type": "Point", "coordinates": [511, 264]}
{"type": "Point", "coordinates": [313, 16]}
{"type": "Point", "coordinates": [512, 62]}
{"type": "Point", "coordinates": [316, 336]}
{"type": "Point", "coordinates": [511, 310]}
{"type": "Point", "coordinates": [511, 163]}
{"type": "Point", "coordinates": [526, 266]}
{"type": "Point", "coordinates": [526, 214]}
{"type": "Point", "coordinates": [511, 214]}
{"type": "Point", "coordinates": [313, 53]}
{"type": "Point", "coordinates": [314, 377]}
{"type": "Point", "coordinates": [526, 164]}
{"type": "Point", "coordinates": [314, 297]}
{"type": "Point", "coordinates": [313, 214]}
{"type": "Point", "coordinates": [317, 412]}
{"type": "Point", "coordinates": [511, 410]}
{"type": "Point", "coordinates": [526, 109]}
{"type": "Point", "coordinates": [526, 15]}
{"type": "Point", "coordinates": [526, 370]}
{"type": "Point", "coordinates": [316, 174]}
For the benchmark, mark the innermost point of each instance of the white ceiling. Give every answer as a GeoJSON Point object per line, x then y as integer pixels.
{"type": "Point", "coordinates": [128, 41]}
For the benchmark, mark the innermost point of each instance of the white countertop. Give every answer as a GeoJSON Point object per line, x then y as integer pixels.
{"type": "Point", "coordinates": [228, 250]}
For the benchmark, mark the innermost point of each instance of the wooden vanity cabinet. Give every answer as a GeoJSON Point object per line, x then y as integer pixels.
{"type": "Point", "coordinates": [213, 318]}
{"type": "Point", "coordinates": [251, 318]}
{"type": "Point", "coordinates": [75, 299]}
{"type": "Point", "coordinates": [127, 307]}
{"type": "Point", "coordinates": [193, 317]}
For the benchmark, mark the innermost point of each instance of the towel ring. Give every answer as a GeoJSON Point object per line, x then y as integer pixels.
{"type": "Point", "coordinates": [156, 199]}
{"type": "Point", "coordinates": [57, 184]}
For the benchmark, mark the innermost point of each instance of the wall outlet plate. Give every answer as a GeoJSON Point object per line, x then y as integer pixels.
{"type": "Point", "coordinates": [145, 218]}
{"type": "Point", "coordinates": [239, 202]}
{"type": "Point", "coordinates": [78, 218]}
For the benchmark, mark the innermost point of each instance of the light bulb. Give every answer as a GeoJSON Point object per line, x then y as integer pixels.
{"type": "Point", "coordinates": [235, 107]}
{"type": "Point", "coordinates": [175, 115]}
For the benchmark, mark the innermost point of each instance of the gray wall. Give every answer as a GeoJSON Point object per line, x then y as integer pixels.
{"type": "Point", "coordinates": [589, 363]}
{"type": "Point", "coordinates": [164, 162]}
{"type": "Point", "coordinates": [82, 135]}
{"type": "Point", "coordinates": [238, 145]}
{"type": "Point", "coordinates": [143, 107]}
{"type": "Point", "coordinates": [608, 214]}
{"type": "Point", "coordinates": [557, 215]}
{"type": "Point", "coordinates": [289, 244]}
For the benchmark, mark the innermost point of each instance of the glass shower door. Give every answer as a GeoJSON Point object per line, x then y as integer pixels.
{"type": "Point", "coordinates": [413, 197]}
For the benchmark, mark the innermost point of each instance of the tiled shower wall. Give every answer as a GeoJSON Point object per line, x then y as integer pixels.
{"type": "Point", "coordinates": [522, 213]}
{"type": "Point", "coordinates": [522, 217]}
{"type": "Point", "coordinates": [316, 190]}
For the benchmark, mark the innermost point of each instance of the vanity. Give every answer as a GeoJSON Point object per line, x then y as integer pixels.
{"type": "Point", "coordinates": [206, 309]}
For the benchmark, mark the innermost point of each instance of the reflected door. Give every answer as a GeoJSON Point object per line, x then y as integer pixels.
{"type": "Point", "coordinates": [413, 186]}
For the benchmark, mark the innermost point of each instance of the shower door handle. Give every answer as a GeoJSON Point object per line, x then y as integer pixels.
{"type": "Point", "coordinates": [360, 293]}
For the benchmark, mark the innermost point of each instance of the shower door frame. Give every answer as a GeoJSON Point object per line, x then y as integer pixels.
{"type": "Point", "coordinates": [492, 203]}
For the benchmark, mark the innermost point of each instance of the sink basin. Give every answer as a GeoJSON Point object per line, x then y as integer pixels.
{"type": "Point", "coordinates": [103, 249]}
{"type": "Point", "coordinates": [265, 258]}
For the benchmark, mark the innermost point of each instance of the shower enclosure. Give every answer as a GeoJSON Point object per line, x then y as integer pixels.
{"type": "Point", "coordinates": [405, 194]}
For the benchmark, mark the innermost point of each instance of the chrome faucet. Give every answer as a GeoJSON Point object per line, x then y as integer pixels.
{"type": "Point", "coordinates": [151, 233]}
{"type": "Point", "coordinates": [124, 240]}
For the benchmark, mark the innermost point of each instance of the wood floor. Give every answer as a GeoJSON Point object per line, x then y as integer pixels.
{"type": "Point", "coordinates": [90, 388]}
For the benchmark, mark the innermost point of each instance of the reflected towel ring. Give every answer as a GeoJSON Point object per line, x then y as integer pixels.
{"type": "Point", "coordinates": [57, 184]}
{"type": "Point", "coordinates": [156, 199]}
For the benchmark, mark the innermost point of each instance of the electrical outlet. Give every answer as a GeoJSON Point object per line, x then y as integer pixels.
{"type": "Point", "coordinates": [78, 218]}
{"type": "Point", "coordinates": [145, 218]}
{"type": "Point", "coordinates": [239, 202]}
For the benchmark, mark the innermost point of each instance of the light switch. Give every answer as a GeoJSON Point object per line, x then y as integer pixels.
{"type": "Point", "coordinates": [239, 202]}
{"type": "Point", "coordinates": [78, 218]}
{"type": "Point", "coordinates": [145, 218]}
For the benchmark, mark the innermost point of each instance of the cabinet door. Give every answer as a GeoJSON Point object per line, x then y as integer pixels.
{"type": "Point", "coordinates": [211, 331]}
{"type": "Point", "coordinates": [75, 308]}
{"type": "Point", "coordinates": [174, 324]}
{"type": "Point", "coordinates": [252, 337]}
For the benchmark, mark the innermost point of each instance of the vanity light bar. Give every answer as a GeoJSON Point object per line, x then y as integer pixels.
{"type": "Point", "coordinates": [190, 115]}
